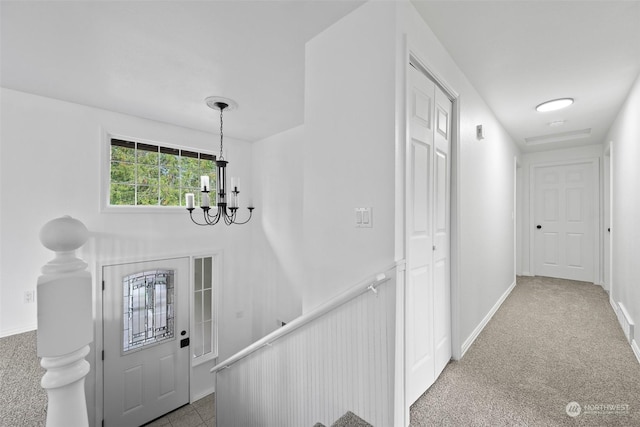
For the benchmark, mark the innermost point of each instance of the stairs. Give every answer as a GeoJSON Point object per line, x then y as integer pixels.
{"type": "Point", "coordinates": [349, 419]}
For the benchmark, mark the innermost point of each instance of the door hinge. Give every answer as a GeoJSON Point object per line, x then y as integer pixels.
{"type": "Point", "coordinates": [102, 423]}
{"type": "Point", "coordinates": [103, 358]}
{"type": "Point", "coordinates": [103, 285]}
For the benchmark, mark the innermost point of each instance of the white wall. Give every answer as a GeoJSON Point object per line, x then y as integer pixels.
{"type": "Point", "coordinates": [625, 228]}
{"type": "Point", "coordinates": [353, 115]}
{"type": "Point", "coordinates": [531, 159]}
{"type": "Point", "coordinates": [485, 178]}
{"type": "Point", "coordinates": [51, 154]}
{"type": "Point", "coordinates": [278, 261]}
{"type": "Point", "coordinates": [349, 151]}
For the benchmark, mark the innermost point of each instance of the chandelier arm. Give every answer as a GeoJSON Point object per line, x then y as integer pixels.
{"type": "Point", "coordinates": [196, 222]}
{"type": "Point", "coordinates": [248, 219]}
{"type": "Point", "coordinates": [228, 219]}
{"type": "Point", "coordinates": [213, 219]}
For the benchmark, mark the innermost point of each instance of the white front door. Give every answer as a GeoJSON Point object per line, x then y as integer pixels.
{"type": "Point", "coordinates": [564, 221]}
{"type": "Point", "coordinates": [428, 315]}
{"type": "Point", "coordinates": [146, 340]}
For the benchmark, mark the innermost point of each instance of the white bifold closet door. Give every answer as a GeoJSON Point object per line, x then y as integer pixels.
{"type": "Point", "coordinates": [428, 164]}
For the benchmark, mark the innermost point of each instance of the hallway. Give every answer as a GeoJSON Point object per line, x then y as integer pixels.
{"type": "Point", "coordinates": [552, 342]}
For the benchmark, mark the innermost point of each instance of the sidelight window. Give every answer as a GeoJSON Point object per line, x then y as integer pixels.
{"type": "Point", "coordinates": [204, 335]}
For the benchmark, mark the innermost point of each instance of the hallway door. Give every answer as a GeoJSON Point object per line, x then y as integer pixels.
{"type": "Point", "coordinates": [564, 221]}
{"type": "Point", "coordinates": [146, 341]}
{"type": "Point", "coordinates": [428, 309]}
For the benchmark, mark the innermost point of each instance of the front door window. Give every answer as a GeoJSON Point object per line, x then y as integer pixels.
{"type": "Point", "coordinates": [148, 308]}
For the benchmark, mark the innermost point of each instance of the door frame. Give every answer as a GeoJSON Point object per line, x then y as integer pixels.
{"type": "Point", "coordinates": [607, 214]}
{"type": "Point", "coordinates": [98, 342]}
{"type": "Point", "coordinates": [595, 165]}
{"type": "Point", "coordinates": [411, 54]}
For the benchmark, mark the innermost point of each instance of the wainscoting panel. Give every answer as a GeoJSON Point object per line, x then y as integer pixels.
{"type": "Point", "coordinates": [342, 361]}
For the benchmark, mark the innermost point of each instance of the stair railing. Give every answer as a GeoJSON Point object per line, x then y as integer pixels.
{"type": "Point", "coordinates": [367, 285]}
{"type": "Point", "coordinates": [336, 358]}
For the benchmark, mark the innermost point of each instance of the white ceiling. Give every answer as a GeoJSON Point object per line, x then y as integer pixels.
{"type": "Point", "coordinates": [160, 59]}
{"type": "Point", "coordinates": [518, 54]}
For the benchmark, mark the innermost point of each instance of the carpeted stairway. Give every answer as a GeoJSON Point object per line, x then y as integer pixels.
{"type": "Point", "coordinates": [551, 343]}
{"type": "Point", "coordinates": [347, 420]}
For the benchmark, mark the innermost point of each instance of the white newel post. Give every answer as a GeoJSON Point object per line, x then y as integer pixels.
{"type": "Point", "coordinates": [65, 323]}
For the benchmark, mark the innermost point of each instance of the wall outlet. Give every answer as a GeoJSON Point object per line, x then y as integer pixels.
{"type": "Point", "coordinates": [29, 297]}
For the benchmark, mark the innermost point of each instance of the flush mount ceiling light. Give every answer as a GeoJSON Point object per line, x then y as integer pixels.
{"type": "Point", "coordinates": [554, 104]}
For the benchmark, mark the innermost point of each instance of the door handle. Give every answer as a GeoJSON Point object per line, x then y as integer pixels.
{"type": "Point", "coordinates": [184, 342]}
{"type": "Point", "coordinates": [538, 227]}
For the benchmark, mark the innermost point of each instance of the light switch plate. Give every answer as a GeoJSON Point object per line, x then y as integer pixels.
{"type": "Point", "coordinates": [364, 217]}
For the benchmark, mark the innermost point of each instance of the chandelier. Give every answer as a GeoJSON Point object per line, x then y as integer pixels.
{"type": "Point", "coordinates": [226, 202]}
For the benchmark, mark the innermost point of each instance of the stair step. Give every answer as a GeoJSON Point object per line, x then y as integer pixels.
{"type": "Point", "coordinates": [350, 420]}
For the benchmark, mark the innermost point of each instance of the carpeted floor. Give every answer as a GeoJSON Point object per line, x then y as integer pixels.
{"type": "Point", "coordinates": [552, 342]}
{"type": "Point", "coordinates": [22, 401]}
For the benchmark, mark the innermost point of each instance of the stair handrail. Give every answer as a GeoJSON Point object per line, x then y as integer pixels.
{"type": "Point", "coordinates": [369, 284]}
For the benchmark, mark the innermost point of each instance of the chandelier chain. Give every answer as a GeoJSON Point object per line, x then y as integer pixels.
{"type": "Point", "coordinates": [221, 134]}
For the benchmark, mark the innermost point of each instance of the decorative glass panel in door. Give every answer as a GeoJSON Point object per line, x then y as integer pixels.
{"type": "Point", "coordinates": [147, 308]}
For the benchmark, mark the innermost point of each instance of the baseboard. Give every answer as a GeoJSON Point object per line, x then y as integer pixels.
{"type": "Point", "coordinates": [16, 331]}
{"type": "Point", "coordinates": [636, 349]}
{"type": "Point", "coordinates": [467, 343]}
{"type": "Point", "coordinates": [613, 305]}
{"type": "Point", "coordinates": [621, 313]}
{"type": "Point", "coordinates": [203, 393]}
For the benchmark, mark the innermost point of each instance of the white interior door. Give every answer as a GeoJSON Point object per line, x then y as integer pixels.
{"type": "Point", "coordinates": [146, 340]}
{"type": "Point", "coordinates": [441, 262]}
{"type": "Point", "coordinates": [564, 221]}
{"type": "Point", "coordinates": [428, 313]}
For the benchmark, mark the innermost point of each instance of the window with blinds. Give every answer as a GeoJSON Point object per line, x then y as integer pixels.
{"type": "Point", "coordinates": [153, 175]}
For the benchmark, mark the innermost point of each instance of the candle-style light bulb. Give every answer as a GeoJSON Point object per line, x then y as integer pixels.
{"type": "Point", "coordinates": [189, 198]}
{"type": "Point", "coordinates": [204, 183]}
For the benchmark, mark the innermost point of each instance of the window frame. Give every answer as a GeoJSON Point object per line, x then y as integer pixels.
{"type": "Point", "coordinates": [105, 176]}
{"type": "Point", "coordinates": [216, 277]}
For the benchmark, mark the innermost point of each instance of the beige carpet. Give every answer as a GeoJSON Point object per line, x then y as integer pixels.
{"type": "Point", "coordinates": [552, 342]}
{"type": "Point", "coordinates": [22, 401]}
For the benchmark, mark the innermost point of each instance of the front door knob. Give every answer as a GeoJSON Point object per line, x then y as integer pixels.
{"type": "Point", "coordinates": [538, 227]}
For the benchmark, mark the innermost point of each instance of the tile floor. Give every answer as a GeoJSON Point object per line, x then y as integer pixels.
{"type": "Point", "coordinates": [200, 413]}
